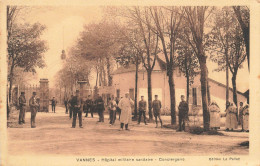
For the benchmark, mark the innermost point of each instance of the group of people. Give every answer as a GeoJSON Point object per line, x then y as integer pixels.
{"type": "Point", "coordinates": [77, 106]}
{"type": "Point", "coordinates": [232, 117]}
{"type": "Point", "coordinates": [34, 104]}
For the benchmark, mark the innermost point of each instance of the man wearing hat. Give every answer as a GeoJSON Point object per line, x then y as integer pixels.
{"type": "Point", "coordinates": [183, 113]}
{"type": "Point", "coordinates": [22, 104]}
{"type": "Point", "coordinates": [100, 108]}
{"type": "Point", "coordinates": [142, 110]}
{"type": "Point", "coordinates": [33, 107]}
{"type": "Point", "coordinates": [156, 105]}
{"type": "Point", "coordinates": [76, 104]}
{"type": "Point", "coordinates": [53, 104]}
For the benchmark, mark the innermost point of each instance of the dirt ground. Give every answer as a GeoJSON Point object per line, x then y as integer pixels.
{"type": "Point", "coordinates": [54, 135]}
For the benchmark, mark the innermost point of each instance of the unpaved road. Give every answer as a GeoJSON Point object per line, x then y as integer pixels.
{"type": "Point", "coordinates": [54, 136]}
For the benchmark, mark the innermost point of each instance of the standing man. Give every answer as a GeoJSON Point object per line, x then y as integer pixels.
{"type": "Point", "coordinates": [89, 104]}
{"type": "Point", "coordinates": [246, 118]}
{"type": "Point", "coordinates": [125, 106]}
{"type": "Point", "coordinates": [53, 104]}
{"type": "Point", "coordinates": [240, 116]}
{"type": "Point", "coordinates": [142, 109]}
{"type": "Point", "coordinates": [112, 107]}
{"type": "Point", "coordinates": [183, 113]}
{"type": "Point", "coordinates": [22, 104]}
{"type": "Point", "coordinates": [70, 107]}
{"type": "Point", "coordinates": [76, 104]}
{"type": "Point", "coordinates": [66, 105]}
{"type": "Point", "coordinates": [117, 108]}
{"type": "Point", "coordinates": [33, 107]}
{"type": "Point", "coordinates": [156, 105]}
{"type": "Point", "coordinates": [100, 108]}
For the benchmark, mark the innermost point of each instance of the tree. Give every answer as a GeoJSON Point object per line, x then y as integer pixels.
{"type": "Point", "coordinates": [129, 54]}
{"type": "Point", "coordinates": [243, 17]}
{"type": "Point", "coordinates": [187, 63]}
{"type": "Point", "coordinates": [167, 24]}
{"type": "Point", "coordinates": [150, 41]}
{"type": "Point", "coordinates": [25, 49]}
{"type": "Point", "coordinates": [228, 45]}
{"type": "Point", "coordinates": [195, 18]}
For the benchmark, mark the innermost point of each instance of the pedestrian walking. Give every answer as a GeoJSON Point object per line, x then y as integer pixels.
{"type": "Point", "coordinates": [70, 107]}
{"type": "Point", "coordinates": [22, 104]}
{"type": "Point", "coordinates": [76, 104]}
{"type": "Point", "coordinates": [53, 104]}
{"type": "Point", "coordinates": [246, 118]}
{"type": "Point", "coordinates": [125, 105]}
{"type": "Point", "coordinates": [100, 108]}
{"type": "Point", "coordinates": [33, 108]}
{"type": "Point", "coordinates": [89, 106]}
{"type": "Point", "coordinates": [183, 113]}
{"type": "Point", "coordinates": [112, 109]}
{"type": "Point", "coordinates": [66, 105]}
{"type": "Point", "coordinates": [214, 113]}
{"type": "Point", "coordinates": [231, 117]}
{"type": "Point", "coordinates": [142, 110]}
{"type": "Point", "coordinates": [156, 105]}
{"type": "Point", "coordinates": [240, 115]}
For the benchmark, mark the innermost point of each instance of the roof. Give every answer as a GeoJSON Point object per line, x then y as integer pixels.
{"type": "Point", "coordinates": [129, 68]}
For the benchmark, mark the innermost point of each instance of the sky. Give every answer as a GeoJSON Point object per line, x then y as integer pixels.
{"type": "Point", "coordinates": [64, 25]}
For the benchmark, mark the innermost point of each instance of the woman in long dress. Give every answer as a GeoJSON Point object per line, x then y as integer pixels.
{"type": "Point", "coordinates": [231, 118]}
{"type": "Point", "coordinates": [214, 115]}
{"type": "Point", "coordinates": [246, 118]}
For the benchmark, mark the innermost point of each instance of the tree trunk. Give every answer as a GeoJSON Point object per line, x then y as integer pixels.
{"type": "Point", "coordinates": [187, 80]}
{"type": "Point", "coordinates": [136, 86]}
{"type": "Point", "coordinates": [208, 92]}
{"type": "Point", "coordinates": [172, 96]}
{"type": "Point", "coordinates": [203, 80]}
{"type": "Point", "coordinates": [149, 79]}
{"type": "Point", "coordinates": [227, 82]}
{"type": "Point", "coordinates": [234, 84]}
{"type": "Point", "coordinates": [109, 77]}
{"type": "Point", "coordinates": [97, 78]}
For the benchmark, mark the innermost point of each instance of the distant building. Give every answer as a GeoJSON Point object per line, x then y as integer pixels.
{"type": "Point", "coordinates": [124, 81]}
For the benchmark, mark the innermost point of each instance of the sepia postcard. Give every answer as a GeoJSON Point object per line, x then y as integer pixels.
{"type": "Point", "coordinates": [129, 82]}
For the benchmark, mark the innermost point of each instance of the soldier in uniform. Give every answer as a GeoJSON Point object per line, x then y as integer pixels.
{"type": "Point", "coordinates": [53, 104]}
{"type": "Point", "coordinates": [22, 104]}
{"type": "Point", "coordinates": [112, 107]}
{"type": "Point", "coordinates": [70, 107]}
{"type": "Point", "coordinates": [66, 105]}
{"type": "Point", "coordinates": [183, 113]}
{"type": "Point", "coordinates": [76, 104]}
{"type": "Point", "coordinates": [100, 108]}
{"type": "Point", "coordinates": [240, 116]}
{"type": "Point", "coordinates": [156, 105]}
{"type": "Point", "coordinates": [142, 110]}
{"type": "Point", "coordinates": [89, 106]}
{"type": "Point", "coordinates": [33, 107]}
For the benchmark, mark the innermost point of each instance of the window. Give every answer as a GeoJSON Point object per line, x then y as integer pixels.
{"type": "Point", "coordinates": [131, 93]}
{"type": "Point", "coordinates": [118, 93]}
{"type": "Point", "coordinates": [194, 96]}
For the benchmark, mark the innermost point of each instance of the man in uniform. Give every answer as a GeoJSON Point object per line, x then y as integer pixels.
{"type": "Point", "coordinates": [89, 104]}
{"type": "Point", "coordinates": [142, 110]}
{"type": "Point", "coordinates": [100, 108]}
{"type": "Point", "coordinates": [53, 104]}
{"type": "Point", "coordinates": [240, 116]}
{"type": "Point", "coordinates": [70, 107]}
{"type": "Point", "coordinates": [183, 113]}
{"type": "Point", "coordinates": [76, 104]}
{"type": "Point", "coordinates": [156, 105]}
{"type": "Point", "coordinates": [112, 107]}
{"type": "Point", "coordinates": [66, 105]}
{"type": "Point", "coordinates": [125, 105]}
{"type": "Point", "coordinates": [33, 107]}
{"type": "Point", "coordinates": [22, 104]}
